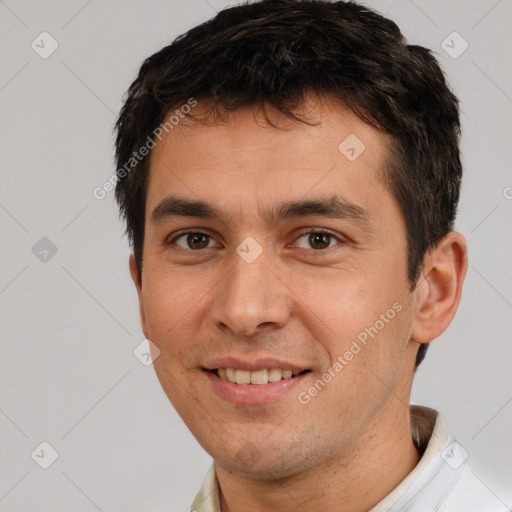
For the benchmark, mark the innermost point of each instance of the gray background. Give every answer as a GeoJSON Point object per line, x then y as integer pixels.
{"type": "Point", "coordinates": [69, 324]}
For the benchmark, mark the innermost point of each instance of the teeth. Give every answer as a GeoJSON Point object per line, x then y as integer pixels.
{"type": "Point", "coordinates": [274, 375]}
{"type": "Point", "coordinates": [242, 377]}
{"type": "Point", "coordinates": [257, 377]}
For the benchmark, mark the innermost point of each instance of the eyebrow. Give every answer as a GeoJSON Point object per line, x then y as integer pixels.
{"type": "Point", "coordinates": [334, 206]}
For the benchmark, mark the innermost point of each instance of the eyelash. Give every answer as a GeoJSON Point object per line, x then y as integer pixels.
{"type": "Point", "coordinates": [311, 231]}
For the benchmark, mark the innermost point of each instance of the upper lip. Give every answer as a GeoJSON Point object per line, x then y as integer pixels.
{"type": "Point", "coordinates": [255, 364]}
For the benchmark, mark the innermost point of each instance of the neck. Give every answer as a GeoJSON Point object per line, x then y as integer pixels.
{"type": "Point", "coordinates": [356, 479]}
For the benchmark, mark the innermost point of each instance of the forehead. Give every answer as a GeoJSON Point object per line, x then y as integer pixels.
{"type": "Point", "coordinates": [242, 160]}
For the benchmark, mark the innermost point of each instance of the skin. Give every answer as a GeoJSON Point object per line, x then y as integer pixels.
{"type": "Point", "coordinates": [351, 443]}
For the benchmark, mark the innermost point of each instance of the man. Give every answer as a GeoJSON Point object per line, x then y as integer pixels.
{"type": "Point", "coordinates": [289, 173]}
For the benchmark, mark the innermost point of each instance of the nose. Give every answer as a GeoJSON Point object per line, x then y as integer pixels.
{"type": "Point", "coordinates": [251, 298]}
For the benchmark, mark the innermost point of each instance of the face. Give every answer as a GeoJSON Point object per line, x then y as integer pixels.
{"type": "Point", "coordinates": [294, 260]}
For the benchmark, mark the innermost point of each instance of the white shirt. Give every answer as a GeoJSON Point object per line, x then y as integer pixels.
{"type": "Point", "coordinates": [442, 481]}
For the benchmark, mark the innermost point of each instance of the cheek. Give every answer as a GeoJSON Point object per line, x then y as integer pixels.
{"type": "Point", "coordinates": [347, 303]}
{"type": "Point", "coordinates": [363, 321]}
{"type": "Point", "coordinates": [174, 308]}
{"type": "Point", "coordinates": [166, 309]}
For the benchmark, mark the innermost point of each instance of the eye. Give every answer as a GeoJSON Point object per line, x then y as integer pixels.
{"type": "Point", "coordinates": [319, 239]}
{"type": "Point", "coordinates": [194, 240]}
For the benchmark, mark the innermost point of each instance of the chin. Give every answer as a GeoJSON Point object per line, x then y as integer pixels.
{"type": "Point", "coordinates": [264, 464]}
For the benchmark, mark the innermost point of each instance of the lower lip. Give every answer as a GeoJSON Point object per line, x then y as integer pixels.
{"type": "Point", "coordinates": [253, 394]}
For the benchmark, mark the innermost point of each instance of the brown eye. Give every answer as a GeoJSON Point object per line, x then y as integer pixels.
{"type": "Point", "coordinates": [197, 240]}
{"type": "Point", "coordinates": [194, 241]}
{"type": "Point", "coordinates": [319, 240]}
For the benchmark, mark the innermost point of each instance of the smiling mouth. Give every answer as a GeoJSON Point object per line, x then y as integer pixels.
{"type": "Point", "coordinates": [258, 377]}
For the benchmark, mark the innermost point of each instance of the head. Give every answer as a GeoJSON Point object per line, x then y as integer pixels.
{"type": "Point", "coordinates": [325, 107]}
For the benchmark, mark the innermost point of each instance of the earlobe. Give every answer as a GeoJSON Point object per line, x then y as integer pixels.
{"type": "Point", "coordinates": [439, 289]}
{"type": "Point", "coordinates": [137, 281]}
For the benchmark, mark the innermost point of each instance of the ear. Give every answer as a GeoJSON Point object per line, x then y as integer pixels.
{"type": "Point", "coordinates": [439, 288]}
{"type": "Point", "coordinates": [137, 281]}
